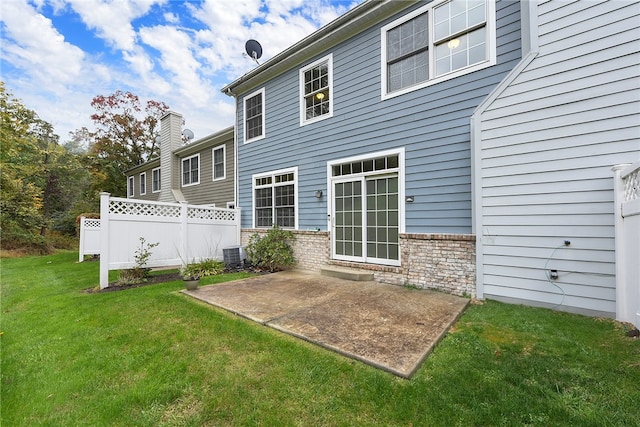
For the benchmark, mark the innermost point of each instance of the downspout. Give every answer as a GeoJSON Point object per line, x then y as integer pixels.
{"type": "Point", "coordinates": [228, 92]}
{"type": "Point", "coordinates": [529, 43]}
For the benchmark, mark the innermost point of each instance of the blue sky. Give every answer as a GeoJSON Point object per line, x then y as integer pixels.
{"type": "Point", "coordinates": [56, 55]}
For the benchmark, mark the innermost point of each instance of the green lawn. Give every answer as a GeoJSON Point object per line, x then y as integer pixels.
{"type": "Point", "coordinates": [151, 356]}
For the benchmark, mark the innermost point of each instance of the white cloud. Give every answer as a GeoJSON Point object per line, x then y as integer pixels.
{"type": "Point", "coordinates": [176, 56]}
{"type": "Point", "coordinates": [164, 59]}
{"type": "Point", "coordinates": [112, 18]}
{"type": "Point", "coordinates": [43, 54]}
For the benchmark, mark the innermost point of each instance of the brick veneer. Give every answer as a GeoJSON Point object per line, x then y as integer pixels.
{"type": "Point", "coordinates": [445, 262]}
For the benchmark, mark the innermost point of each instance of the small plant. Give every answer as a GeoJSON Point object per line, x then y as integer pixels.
{"type": "Point", "coordinates": [273, 252]}
{"type": "Point", "coordinates": [140, 272]}
{"type": "Point", "coordinates": [196, 270]}
{"type": "Point", "coordinates": [191, 272]}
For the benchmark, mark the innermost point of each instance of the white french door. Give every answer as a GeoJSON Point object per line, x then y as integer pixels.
{"type": "Point", "coordinates": [365, 219]}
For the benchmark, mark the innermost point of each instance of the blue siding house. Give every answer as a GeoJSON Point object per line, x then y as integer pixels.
{"type": "Point", "coordinates": [461, 145]}
{"type": "Point", "coordinates": [358, 137]}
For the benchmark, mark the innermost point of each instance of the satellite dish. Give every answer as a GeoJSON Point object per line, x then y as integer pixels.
{"type": "Point", "coordinates": [187, 134]}
{"type": "Point", "coordinates": [254, 50]}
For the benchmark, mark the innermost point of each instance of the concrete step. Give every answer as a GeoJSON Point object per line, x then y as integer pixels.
{"type": "Point", "coordinates": [346, 273]}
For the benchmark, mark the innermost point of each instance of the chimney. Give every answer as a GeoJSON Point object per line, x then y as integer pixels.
{"type": "Point", "coordinates": [170, 140]}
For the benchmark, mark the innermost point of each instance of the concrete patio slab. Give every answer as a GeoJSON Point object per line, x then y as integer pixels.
{"type": "Point", "coordinates": [391, 327]}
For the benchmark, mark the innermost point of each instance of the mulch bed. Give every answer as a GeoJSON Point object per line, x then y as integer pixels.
{"type": "Point", "coordinates": [163, 278]}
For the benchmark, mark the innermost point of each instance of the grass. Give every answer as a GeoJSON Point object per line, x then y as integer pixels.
{"type": "Point", "coordinates": [151, 356]}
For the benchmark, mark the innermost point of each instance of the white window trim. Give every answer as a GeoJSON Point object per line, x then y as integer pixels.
{"type": "Point", "coordinates": [491, 46]}
{"type": "Point", "coordinates": [159, 180]}
{"type": "Point", "coordinates": [143, 183]}
{"type": "Point", "coordinates": [244, 116]}
{"type": "Point", "coordinates": [182, 170]}
{"type": "Point", "coordinates": [303, 120]}
{"type": "Point", "coordinates": [293, 170]}
{"type": "Point", "coordinates": [131, 187]}
{"type": "Point", "coordinates": [224, 163]}
{"type": "Point", "coordinates": [401, 181]}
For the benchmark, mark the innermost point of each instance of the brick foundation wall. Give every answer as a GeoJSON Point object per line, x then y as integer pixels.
{"type": "Point", "coordinates": [311, 248]}
{"type": "Point", "coordinates": [444, 262]}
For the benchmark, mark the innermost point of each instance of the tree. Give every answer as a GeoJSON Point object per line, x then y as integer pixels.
{"type": "Point", "coordinates": [126, 137]}
{"type": "Point", "coordinates": [36, 174]}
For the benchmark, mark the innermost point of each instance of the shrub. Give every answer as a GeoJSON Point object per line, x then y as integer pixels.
{"type": "Point", "coordinates": [140, 272]}
{"type": "Point", "coordinates": [196, 270]}
{"type": "Point", "coordinates": [272, 252]}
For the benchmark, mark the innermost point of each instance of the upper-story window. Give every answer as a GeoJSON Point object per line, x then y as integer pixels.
{"type": "Point", "coordinates": [254, 116]}
{"type": "Point", "coordinates": [131, 187]}
{"type": "Point", "coordinates": [316, 91]}
{"type": "Point", "coordinates": [441, 40]}
{"type": "Point", "coordinates": [143, 183]}
{"type": "Point", "coordinates": [155, 180]}
{"type": "Point", "coordinates": [218, 163]}
{"type": "Point", "coordinates": [191, 170]}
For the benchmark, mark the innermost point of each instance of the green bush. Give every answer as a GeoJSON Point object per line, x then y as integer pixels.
{"type": "Point", "coordinates": [139, 273]}
{"type": "Point", "coordinates": [15, 238]}
{"type": "Point", "coordinates": [196, 270]}
{"type": "Point", "coordinates": [273, 251]}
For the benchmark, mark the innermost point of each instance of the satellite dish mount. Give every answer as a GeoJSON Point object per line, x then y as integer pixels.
{"type": "Point", "coordinates": [253, 49]}
{"type": "Point", "coordinates": [187, 135]}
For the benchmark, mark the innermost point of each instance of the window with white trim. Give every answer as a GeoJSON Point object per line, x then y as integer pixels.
{"type": "Point", "coordinates": [131, 187]}
{"type": "Point", "coordinates": [316, 91]}
{"type": "Point", "coordinates": [254, 126]}
{"type": "Point", "coordinates": [218, 156]}
{"type": "Point", "coordinates": [274, 199]}
{"type": "Point", "coordinates": [441, 40]}
{"type": "Point", "coordinates": [156, 185]}
{"type": "Point", "coordinates": [191, 170]}
{"type": "Point", "coordinates": [143, 183]}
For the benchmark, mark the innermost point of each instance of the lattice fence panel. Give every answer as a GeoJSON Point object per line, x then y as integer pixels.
{"type": "Point", "coordinates": [632, 186]}
{"type": "Point", "coordinates": [92, 223]}
{"type": "Point", "coordinates": [211, 214]}
{"type": "Point", "coordinates": [123, 207]}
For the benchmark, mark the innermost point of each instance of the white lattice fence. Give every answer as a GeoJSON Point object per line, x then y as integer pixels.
{"type": "Point", "coordinates": [627, 223]}
{"type": "Point", "coordinates": [184, 233]}
{"type": "Point", "coordinates": [89, 237]}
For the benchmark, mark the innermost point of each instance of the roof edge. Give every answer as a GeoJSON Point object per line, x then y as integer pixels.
{"type": "Point", "coordinates": [352, 22]}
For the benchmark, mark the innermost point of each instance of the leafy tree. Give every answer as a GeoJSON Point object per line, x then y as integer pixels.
{"type": "Point", "coordinates": [125, 137]}
{"type": "Point", "coordinates": [37, 175]}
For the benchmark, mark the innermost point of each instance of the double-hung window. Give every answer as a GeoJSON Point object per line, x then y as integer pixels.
{"type": "Point", "coordinates": [143, 183]}
{"type": "Point", "coordinates": [218, 163]}
{"type": "Point", "coordinates": [131, 187]}
{"type": "Point", "coordinates": [254, 126]}
{"type": "Point", "coordinates": [155, 180]}
{"type": "Point", "coordinates": [316, 90]}
{"type": "Point", "coordinates": [191, 170]}
{"type": "Point", "coordinates": [274, 199]}
{"type": "Point", "coordinates": [439, 41]}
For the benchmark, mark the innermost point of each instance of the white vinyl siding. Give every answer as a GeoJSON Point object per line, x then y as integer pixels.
{"type": "Point", "coordinates": [549, 141]}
